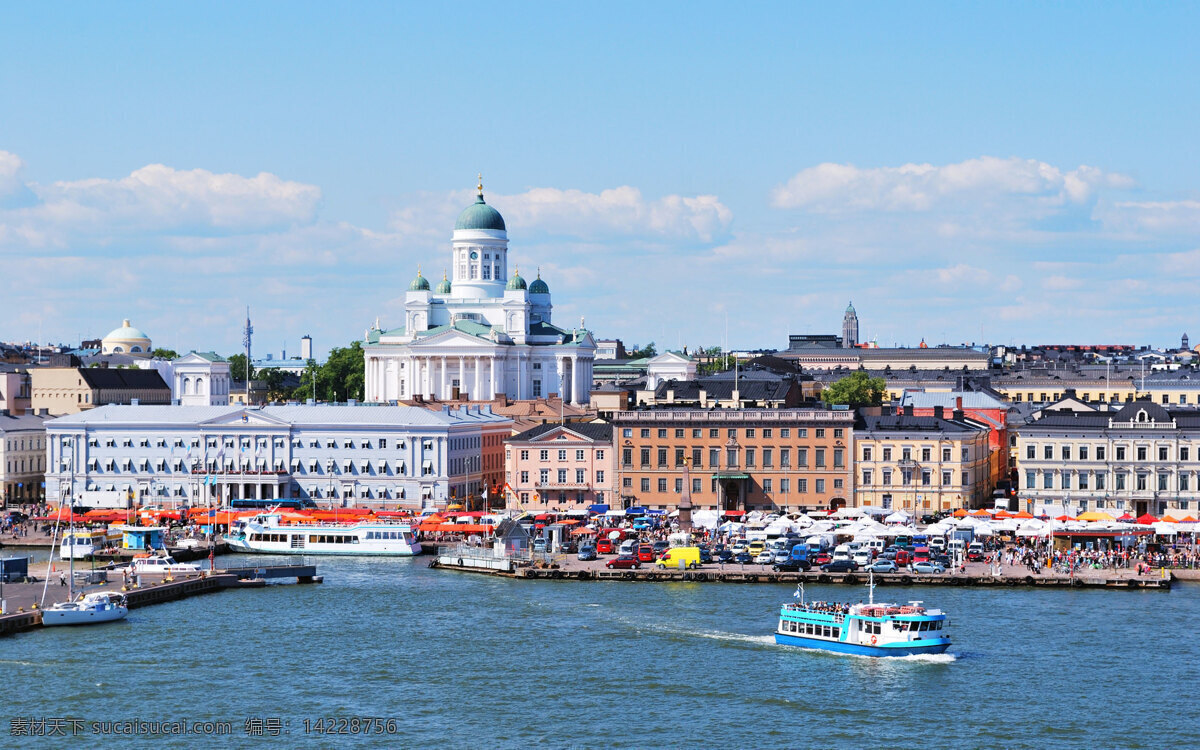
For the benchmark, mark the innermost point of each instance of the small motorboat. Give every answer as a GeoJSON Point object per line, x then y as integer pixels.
{"type": "Point", "coordinates": [101, 606]}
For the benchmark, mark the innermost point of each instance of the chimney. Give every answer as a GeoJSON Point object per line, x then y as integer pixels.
{"type": "Point", "coordinates": [670, 395]}
{"type": "Point", "coordinates": [957, 404]}
{"type": "Point", "coordinates": [908, 410]}
{"type": "Point", "coordinates": [939, 411]}
{"type": "Point", "coordinates": [703, 398]}
{"type": "Point", "coordinates": [958, 415]}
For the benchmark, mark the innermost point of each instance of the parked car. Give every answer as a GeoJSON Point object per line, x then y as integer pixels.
{"type": "Point", "coordinates": [927, 566]}
{"type": "Point", "coordinates": [568, 547]}
{"type": "Point", "coordinates": [539, 544]}
{"type": "Point", "coordinates": [705, 556]}
{"type": "Point", "coordinates": [975, 552]}
{"type": "Point", "coordinates": [743, 558]}
{"type": "Point", "coordinates": [756, 548]}
{"type": "Point", "coordinates": [739, 546]}
{"type": "Point", "coordinates": [766, 557]}
{"type": "Point", "coordinates": [821, 558]}
{"type": "Point", "coordinates": [624, 561]}
{"type": "Point", "coordinates": [781, 555]}
{"type": "Point", "coordinates": [791, 566]}
{"type": "Point", "coordinates": [883, 565]}
{"type": "Point", "coordinates": [724, 555]}
{"type": "Point", "coordinates": [605, 547]}
{"type": "Point", "coordinates": [660, 547]}
{"type": "Point", "coordinates": [862, 557]}
{"type": "Point", "coordinates": [587, 552]}
{"type": "Point", "coordinates": [943, 560]}
{"type": "Point", "coordinates": [645, 553]}
{"type": "Point", "coordinates": [840, 566]}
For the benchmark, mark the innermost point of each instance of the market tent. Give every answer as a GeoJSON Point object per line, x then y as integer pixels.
{"type": "Point", "coordinates": [981, 513]}
{"type": "Point", "coordinates": [1146, 519]}
{"type": "Point", "coordinates": [583, 531]}
{"type": "Point", "coordinates": [849, 512]}
{"type": "Point", "coordinates": [1095, 515]}
{"type": "Point", "coordinates": [1170, 519]}
{"type": "Point", "coordinates": [1064, 519]}
{"type": "Point", "coordinates": [1187, 519]}
{"type": "Point", "coordinates": [897, 517]}
{"type": "Point", "coordinates": [960, 513]}
{"type": "Point", "coordinates": [1164, 529]}
{"type": "Point", "coordinates": [1126, 517]}
{"type": "Point", "coordinates": [580, 512]}
{"type": "Point", "coordinates": [1023, 515]}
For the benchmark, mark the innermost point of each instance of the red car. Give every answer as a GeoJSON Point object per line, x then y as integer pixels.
{"type": "Point", "coordinates": [623, 561]}
{"type": "Point", "coordinates": [645, 553]}
{"type": "Point", "coordinates": [605, 547]}
{"type": "Point", "coordinates": [821, 558]}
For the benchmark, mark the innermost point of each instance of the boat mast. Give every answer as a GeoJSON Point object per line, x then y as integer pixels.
{"type": "Point", "coordinates": [71, 583]}
{"type": "Point", "coordinates": [871, 587]}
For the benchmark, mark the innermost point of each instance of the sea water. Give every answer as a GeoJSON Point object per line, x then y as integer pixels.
{"type": "Point", "coordinates": [433, 658]}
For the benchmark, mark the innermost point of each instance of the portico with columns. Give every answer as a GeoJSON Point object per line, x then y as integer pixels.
{"type": "Point", "coordinates": [476, 336]}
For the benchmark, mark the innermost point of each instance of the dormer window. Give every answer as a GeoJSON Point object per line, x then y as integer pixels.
{"type": "Point", "coordinates": [1142, 416]}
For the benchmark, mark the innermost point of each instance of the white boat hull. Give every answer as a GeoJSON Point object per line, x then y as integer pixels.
{"type": "Point", "coordinates": [364, 549]}
{"type": "Point", "coordinates": [52, 617]}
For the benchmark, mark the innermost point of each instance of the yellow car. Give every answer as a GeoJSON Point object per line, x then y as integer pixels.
{"type": "Point", "coordinates": [756, 548]}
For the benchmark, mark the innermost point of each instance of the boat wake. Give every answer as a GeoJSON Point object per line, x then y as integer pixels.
{"type": "Point", "coordinates": [946, 658]}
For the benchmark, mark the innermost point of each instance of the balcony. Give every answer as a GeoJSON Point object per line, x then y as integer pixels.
{"type": "Point", "coordinates": [552, 485]}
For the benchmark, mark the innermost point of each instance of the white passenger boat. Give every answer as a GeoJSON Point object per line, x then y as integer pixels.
{"type": "Point", "coordinates": [81, 544]}
{"type": "Point", "coordinates": [161, 564]}
{"type": "Point", "coordinates": [266, 534]}
{"type": "Point", "coordinates": [101, 606]}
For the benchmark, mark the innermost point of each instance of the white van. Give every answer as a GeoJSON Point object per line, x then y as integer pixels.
{"type": "Point", "coordinates": [956, 546]}
{"type": "Point", "coordinates": [628, 547]}
{"type": "Point", "coordinates": [863, 557]}
{"type": "Point", "coordinates": [875, 545]}
{"type": "Point", "coordinates": [937, 544]}
{"type": "Point", "coordinates": [841, 552]}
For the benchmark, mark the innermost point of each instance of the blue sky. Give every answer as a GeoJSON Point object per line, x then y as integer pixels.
{"type": "Point", "coordinates": [1010, 173]}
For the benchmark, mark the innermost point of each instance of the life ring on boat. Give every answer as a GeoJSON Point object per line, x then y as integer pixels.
{"type": "Point", "coordinates": [460, 562]}
{"type": "Point", "coordinates": [906, 580]}
{"type": "Point", "coordinates": [874, 640]}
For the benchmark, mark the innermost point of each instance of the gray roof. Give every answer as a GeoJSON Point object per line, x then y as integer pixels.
{"type": "Point", "coordinates": [902, 423]}
{"type": "Point", "coordinates": [409, 416]}
{"type": "Point", "coordinates": [128, 379]}
{"type": "Point", "coordinates": [769, 388]}
{"type": "Point", "coordinates": [970, 400]}
{"type": "Point", "coordinates": [25, 422]}
{"type": "Point", "coordinates": [601, 431]}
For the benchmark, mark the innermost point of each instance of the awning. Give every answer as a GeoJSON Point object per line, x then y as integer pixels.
{"type": "Point", "coordinates": [719, 475]}
{"type": "Point", "coordinates": [597, 509]}
{"type": "Point", "coordinates": [635, 511]}
{"type": "Point", "coordinates": [656, 512]}
{"type": "Point", "coordinates": [733, 513]}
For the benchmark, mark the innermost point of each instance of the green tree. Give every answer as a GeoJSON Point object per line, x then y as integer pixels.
{"type": "Point", "coordinates": [304, 391]}
{"type": "Point", "coordinates": [342, 376]}
{"type": "Point", "coordinates": [859, 389]}
{"type": "Point", "coordinates": [716, 360]}
{"type": "Point", "coordinates": [161, 353]}
{"type": "Point", "coordinates": [274, 379]}
{"type": "Point", "coordinates": [646, 351]}
{"type": "Point", "coordinates": [237, 367]}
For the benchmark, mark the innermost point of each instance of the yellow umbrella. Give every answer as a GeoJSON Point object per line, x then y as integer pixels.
{"type": "Point", "coordinates": [1095, 515]}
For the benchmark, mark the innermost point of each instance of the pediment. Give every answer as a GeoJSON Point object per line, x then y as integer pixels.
{"type": "Point", "coordinates": [245, 418]}
{"type": "Point", "coordinates": [450, 339]}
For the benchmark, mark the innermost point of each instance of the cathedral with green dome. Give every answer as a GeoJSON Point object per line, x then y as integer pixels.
{"type": "Point", "coordinates": [481, 332]}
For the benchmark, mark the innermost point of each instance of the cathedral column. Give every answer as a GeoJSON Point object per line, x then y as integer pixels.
{"type": "Point", "coordinates": [492, 360]}
{"type": "Point", "coordinates": [444, 391]}
{"type": "Point", "coordinates": [560, 368]}
{"type": "Point", "coordinates": [462, 374]}
{"type": "Point", "coordinates": [477, 366]}
{"type": "Point", "coordinates": [574, 380]}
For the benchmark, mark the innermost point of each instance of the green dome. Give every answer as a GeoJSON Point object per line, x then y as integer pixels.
{"type": "Point", "coordinates": [538, 286]}
{"type": "Point", "coordinates": [419, 284]}
{"type": "Point", "coordinates": [480, 215]}
{"type": "Point", "coordinates": [443, 286]}
{"type": "Point", "coordinates": [515, 283]}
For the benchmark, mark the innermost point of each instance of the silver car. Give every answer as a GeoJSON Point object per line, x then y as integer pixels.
{"type": "Point", "coordinates": [781, 556]}
{"type": "Point", "coordinates": [766, 557]}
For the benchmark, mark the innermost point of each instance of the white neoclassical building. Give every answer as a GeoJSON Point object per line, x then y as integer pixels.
{"type": "Point", "coordinates": [480, 333]}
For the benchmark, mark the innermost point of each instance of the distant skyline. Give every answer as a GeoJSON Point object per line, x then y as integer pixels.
{"type": "Point", "coordinates": [1015, 173]}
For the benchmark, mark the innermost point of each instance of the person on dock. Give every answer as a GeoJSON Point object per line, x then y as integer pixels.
{"type": "Point", "coordinates": [62, 578]}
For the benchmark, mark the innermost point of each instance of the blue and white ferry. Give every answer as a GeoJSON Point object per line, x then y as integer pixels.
{"type": "Point", "coordinates": [864, 629]}
{"type": "Point", "coordinates": [266, 534]}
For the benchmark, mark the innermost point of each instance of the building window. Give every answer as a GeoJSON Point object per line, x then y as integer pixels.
{"type": "Point", "coordinates": [802, 486]}
{"type": "Point", "coordinates": [645, 433]}
{"type": "Point", "coordinates": [678, 485]}
{"type": "Point", "coordinates": [802, 432]}
{"type": "Point", "coordinates": [926, 477]}
{"type": "Point", "coordinates": [820, 453]}
{"type": "Point", "coordinates": [562, 455]}
{"type": "Point", "coordinates": [1141, 483]}
{"type": "Point", "coordinates": [886, 453]}
{"type": "Point", "coordinates": [1047, 450]}
{"type": "Point", "coordinates": [714, 432]}
{"type": "Point", "coordinates": [766, 485]}
{"type": "Point", "coordinates": [1083, 453]}
{"type": "Point", "coordinates": [1184, 453]}
{"type": "Point", "coordinates": [731, 457]}
{"type": "Point", "coordinates": [696, 457]}
{"type": "Point", "coordinates": [581, 476]}
{"type": "Point", "coordinates": [785, 485]}
{"type": "Point", "coordinates": [524, 455]}
{"type": "Point", "coordinates": [1100, 452]}
{"type": "Point", "coordinates": [1100, 481]}
{"type": "Point", "coordinates": [1142, 453]}
{"type": "Point", "coordinates": [714, 457]}
{"type": "Point", "coordinates": [1083, 480]}
{"type": "Point", "coordinates": [785, 458]}
{"type": "Point", "coordinates": [543, 476]}
{"type": "Point", "coordinates": [887, 476]}
{"type": "Point", "coordinates": [820, 486]}
{"type": "Point", "coordinates": [926, 454]}
{"type": "Point", "coordinates": [866, 477]}
{"type": "Point", "coordinates": [1030, 452]}
{"type": "Point", "coordinates": [866, 453]}
{"type": "Point", "coordinates": [662, 457]}
{"type": "Point", "coordinates": [1162, 453]}
{"type": "Point", "coordinates": [662, 433]}
{"type": "Point", "coordinates": [838, 432]}
{"type": "Point", "coordinates": [768, 458]}
{"type": "Point", "coordinates": [802, 458]}
{"type": "Point", "coordinates": [750, 458]}
{"type": "Point", "coordinates": [543, 455]}
{"type": "Point", "coordinates": [1162, 482]}
{"type": "Point", "coordinates": [679, 456]}
{"type": "Point", "coordinates": [839, 458]}
{"type": "Point", "coordinates": [1066, 480]}
{"type": "Point", "coordinates": [1120, 453]}
{"type": "Point", "coordinates": [524, 477]}
{"type": "Point", "coordinates": [579, 455]}
{"type": "Point", "coordinates": [645, 484]}
{"type": "Point", "coordinates": [645, 456]}
{"type": "Point", "coordinates": [1047, 480]}
{"type": "Point", "coordinates": [785, 432]}
{"type": "Point", "coordinates": [627, 482]}
{"type": "Point", "coordinates": [1184, 483]}
{"type": "Point", "coordinates": [662, 484]}
{"type": "Point", "coordinates": [627, 432]}
{"type": "Point", "coordinates": [767, 432]}
{"type": "Point", "coordinates": [1066, 453]}
{"type": "Point", "coordinates": [1119, 483]}
{"type": "Point", "coordinates": [697, 486]}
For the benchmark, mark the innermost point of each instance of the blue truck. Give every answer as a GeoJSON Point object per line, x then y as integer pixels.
{"type": "Point", "coordinates": [798, 560]}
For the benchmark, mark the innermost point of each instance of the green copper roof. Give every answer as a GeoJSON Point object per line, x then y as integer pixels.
{"type": "Point", "coordinates": [480, 215]}
{"type": "Point", "coordinates": [515, 283]}
{"type": "Point", "coordinates": [443, 286]}
{"type": "Point", "coordinates": [850, 307]}
{"type": "Point", "coordinates": [419, 284]}
{"type": "Point", "coordinates": [538, 286]}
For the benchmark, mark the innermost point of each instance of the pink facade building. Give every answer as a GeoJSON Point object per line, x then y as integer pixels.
{"type": "Point", "coordinates": [560, 467]}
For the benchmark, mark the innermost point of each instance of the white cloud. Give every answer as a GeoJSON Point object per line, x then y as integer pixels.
{"type": "Point", "coordinates": [842, 188]}
{"type": "Point", "coordinates": [1152, 217]}
{"type": "Point", "coordinates": [10, 167]}
{"type": "Point", "coordinates": [617, 212]}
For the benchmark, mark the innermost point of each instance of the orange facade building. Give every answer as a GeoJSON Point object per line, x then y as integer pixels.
{"type": "Point", "coordinates": [738, 459]}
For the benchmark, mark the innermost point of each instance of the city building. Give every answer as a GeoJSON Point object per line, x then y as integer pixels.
{"type": "Point", "coordinates": [22, 458]}
{"type": "Point", "coordinates": [921, 464]}
{"type": "Point", "coordinates": [1142, 458]}
{"type": "Point", "coordinates": [850, 327]}
{"type": "Point", "coordinates": [608, 349]}
{"type": "Point", "coordinates": [284, 363]}
{"type": "Point", "coordinates": [67, 390]}
{"type": "Point", "coordinates": [669, 366]}
{"type": "Point", "coordinates": [476, 334]}
{"type": "Point", "coordinates": [196, 378]}
{"type": "Point", "coordinates": [748, 390]}
{"type": "Point", "coordinates": [394, 456]}
{"type": "Point", "coordinates": [560, 467]}
{"type": "Point", "coordinates": [126, 340]}
{"type": "Point", "coordinates": [737, 459]}
{"type": "Point", "coordinates": [16, 389]}
{"type": "Point", "coordinates": [983, 407]}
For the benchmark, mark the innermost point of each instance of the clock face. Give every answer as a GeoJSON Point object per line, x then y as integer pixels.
{"type": "Point", "coordinates": [474, 255]}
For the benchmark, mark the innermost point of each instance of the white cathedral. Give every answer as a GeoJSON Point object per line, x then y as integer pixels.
{"type": "Point", "coordinates": [477, 335]}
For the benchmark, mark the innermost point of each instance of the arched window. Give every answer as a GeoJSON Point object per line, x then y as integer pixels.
{"type": "Point", "coordinates": [135, 349]}
{"type": "Point", "coordinates": [187, 386]}
{"type": "Point", "coordinates": [199, 386]}
{"type": "Point", "coordinates": [117, 349]}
